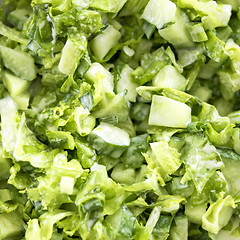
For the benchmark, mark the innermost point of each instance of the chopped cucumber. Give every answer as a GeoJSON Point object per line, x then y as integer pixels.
{"type": "Point", "coordinates": [98, 45]}
{"type": "Point", "coordinates": [125, 82]}
{"type": "Point", "coordinates": [195, 213]}
{"type": "Point", "coordinates": [18, 17]}
{"type": "Point", "coordinates": [218, 18]}
{"type": "Point", "coordinates": [14, 85]}
{"type": "Point", "coordinates": [159, 12]}
{"type": "Point", "coordinates": [9, 121]}
{"type": "Point", "coordinates": [177, 34]}
{"type": "Point", "coordinates": [197, 32]}
{"type": "Point", "coordinates": [117, 106]}
{"type": "Point", "coordinates": [169, 77]}
{"type": "Point", "coordinates": [110, 140]}
{"type": "Point", "coordinates": [168, 112]}
{"type": "Point", "coordinates": [97, 71]}
{"type": "Point", "coordinates": [124, 176]}
{"type": "Point", "coordinates": [22, 100]}
{"type": "Point", "coordinates": [20, 63]}
{"type": "Point", "coordinates": [71, 54]}
{"type": "Point", "coordinates": [66, 185]}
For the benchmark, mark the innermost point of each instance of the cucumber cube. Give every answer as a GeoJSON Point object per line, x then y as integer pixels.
{"type": "Point", "coordinates": [66, 185]}
{"type": "Point", "coordinates": [159, 12]}
{"type": "Point", "coordinates": [20, 63]}
{"type": "Point", "coordinates": [169, 77]}
{"type": "Point", "coordinates": [169, 113]}
{"type": "Point", "coordinates": [97, 71]}
{"type": "Point", "coordinates": [14, 85]}
{"type": "Point", "coordinates": [104, 42]}
{"type": "Point", "coordinates": [110, 140]}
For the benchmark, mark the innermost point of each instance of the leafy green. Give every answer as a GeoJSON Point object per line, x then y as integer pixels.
{"type": "Point", "coordinates": [119, 119]}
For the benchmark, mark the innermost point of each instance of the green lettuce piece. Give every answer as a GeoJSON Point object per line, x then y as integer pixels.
{"type": "Point", "coordinates": [19, 178]}
{"type": "Point", "coordinates": [86, 154]}
{"type": "Point", "coordinates": [33, 229]}
{"type": "Point", "coordinates": [151, 64]}
{"type": "Point", "coordinates": [47, 220]}
{"type": "Point", "coordinates": [7, 207]}
{"type": "Point", "coordinates": [170, 203]}
{"type": "Point", "coordinates": [179, 229]}
{"type": "Point", "coordinates": [152, 220]}
{"type": "Point", "coordinates": [222, 138]}
{"type": "Point", "coordinates": [162, 228]}
{"type": "Point", "coordinates": [133, 156]}
{"type": "Point", "coordinates": [232, 50]}
{"type": "Point", "coordinates": [160, 152]}
{"type": "Point", "coordinates": [102, 81]}
{"type": "Point", "coordinates": [231, 231]}
{"type": "Point", "coordinates": [109, 5]}
{"type": "Point", "coordinates": [55, 187]}
{"type": "Point", "coordinates": [212, 13]}
{"type": "Point", "coordinates": [203, 9]}
{"type": "Point", "coordinates": [122, 224]}
{"type": "Point", "coordinates": [201, 160]}
{"type": "Point", "coordinates": [26, 142]}
{"type": "Point", "coordinates": [218, 18]}
{"type": "Point", "coordinates": [11, 225]}
{"type": "Point", "coordinates": [218, 214]}
{"type": "Point", "coordinates": [98, 196]}
{"type": "Point", "coordinates": [185, 190]}
{"type": "Point", "coordinates": [231, 164]}
{"type": "Point", "coordinates": [229, 83]}
{"type": "Point", "coordinates": [148, 91]}
{"type": "Point", "coordinates": [132, 7]}
{"type": "Point", "coordinates": [123, 175]}
{"type": "Point", "coordinates": [195, 213]}
{"type": "Point", "coordinates": [80, 121]}
{"type": "Point", "coordinates": [137, 206]}
{"type": "Point", "coordinates": [61, 139]}
{"type": "Point", "coordinates": [147, 180]}
{"type": "Point", "coordinates": [213, 190]}
{"type": "Point", "coordinates": [99, 231]}
{"type": "Point", "coordinates": [5, 165]}
{"type": "Point", "coordinates": [209, 114]}
{"type": "Point", "coordinates": [99, 176]}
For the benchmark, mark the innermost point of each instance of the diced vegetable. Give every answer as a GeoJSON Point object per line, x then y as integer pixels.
{"type": "Point", "coordinates": [168, 112]}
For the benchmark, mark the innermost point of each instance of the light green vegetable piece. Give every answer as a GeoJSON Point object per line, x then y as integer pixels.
{"type": "Point", "coordinates": [169, 77]}
{"type": "Point", "coordinates": [71, 54]}
{"type": "Point", "coordinates": [105, 41]}
{"type": "Point", "coordinates": [20, 63]}
{"type": "Point", "coordinates": [159, 12]}
{"type": "Point", "coordinates": [110, 140]}
{"type": "Point", "coordinates": [218, 215]}
{"type": "Point", "coordinates": [168, 112]}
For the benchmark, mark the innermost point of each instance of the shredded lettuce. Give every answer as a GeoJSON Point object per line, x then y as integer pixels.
{"type": "Point", "coordinates": [120, 120]}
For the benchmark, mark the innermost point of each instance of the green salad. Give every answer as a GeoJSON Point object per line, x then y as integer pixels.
{"type": "Point", "coordinates": [120, 119]}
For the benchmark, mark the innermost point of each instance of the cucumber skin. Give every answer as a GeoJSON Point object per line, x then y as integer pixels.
{"type": "Point", "coordinates": [105, 148]}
